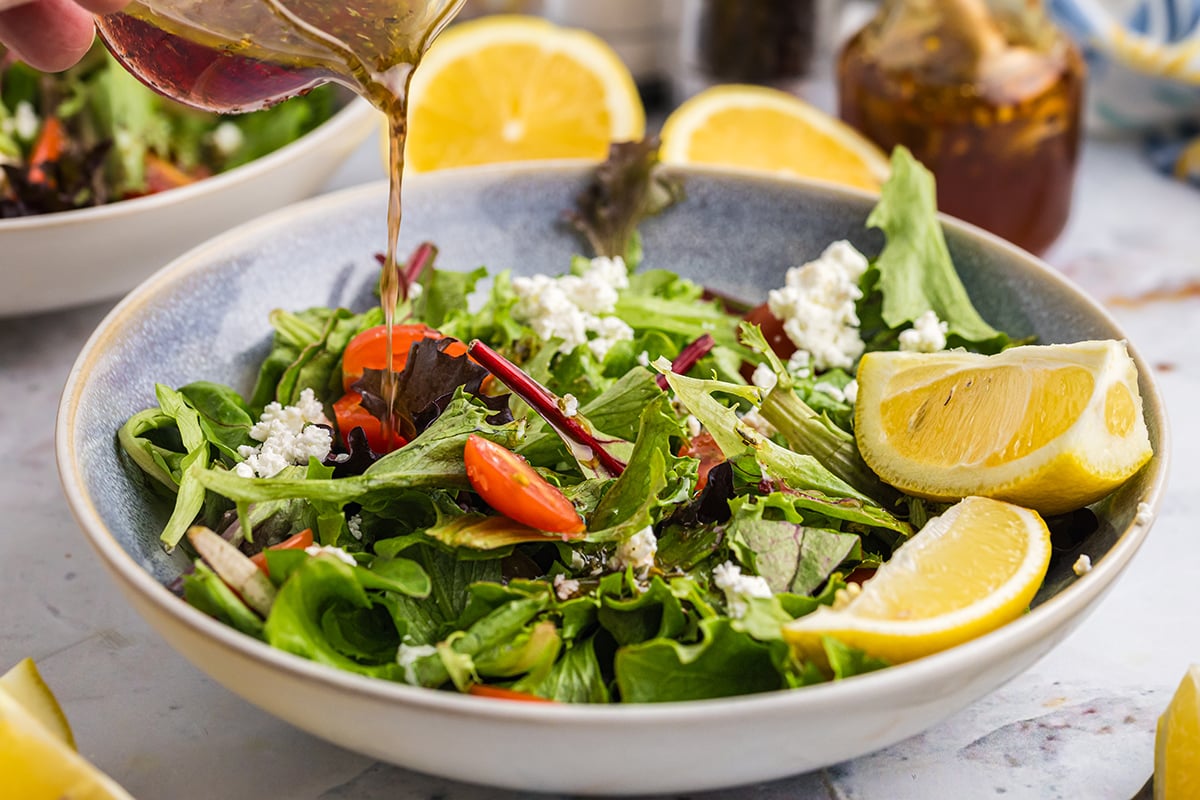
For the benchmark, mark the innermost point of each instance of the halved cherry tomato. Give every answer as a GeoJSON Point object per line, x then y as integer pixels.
{"type": "Point", "coordinates": [368, 350]}
{"type": "Point", "coordinates": [51, 141]}
{"type": "Point", "coordinates": [350, 414]}
{"type": "Point", "coordinates": [703, 447]}
{"type": "Point", "coordinates": [162, 175]}
{"type": "Point", "coordinates": [297, 541]}
{"type": "Point", "coordinates": [480, 690]}
{"type": "Point", "coordinates": [508, 484]}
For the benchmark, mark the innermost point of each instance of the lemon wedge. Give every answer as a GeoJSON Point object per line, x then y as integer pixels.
{"type": "Point", "coordinates": [1177, 742]}
{"type": "Point", "coordinates": [37, 751]}
{"type": "Point", "coordinates": [1051, 428]}
{"type": "Point", "coordinates": [514, 88]}
{"type": "Point", "coordinates": [24, 684]}
{"type": "Point", "coordinates": [766, 130]}
{"type": "Point", "coordinates": [964, 574]}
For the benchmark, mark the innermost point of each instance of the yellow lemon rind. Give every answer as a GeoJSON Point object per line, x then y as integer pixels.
{"type": "Point", "coordinates": [1079, 467]}
{"type": "Point", "coordinates": [24, 684]}
{"type": "Point", "coordinates": [1177, 742]}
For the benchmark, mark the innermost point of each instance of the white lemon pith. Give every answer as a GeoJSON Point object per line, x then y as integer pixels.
{"type": "Point", "coordinates": [37, 752]}
{"type": "Point", "coordinates": [1177, 743]}
{"type": "Point", "coordinates": [1052, 427]}
{"type": "Point", "coordinates": [513, 88]}
{"type": "Point", "coordinates": [964, 574]}
{"type": "Point", "coordinates": [765, 130]}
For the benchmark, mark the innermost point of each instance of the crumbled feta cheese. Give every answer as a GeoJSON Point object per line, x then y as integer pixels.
{"type": "Point", "coordinates": [643, 359]}
{"type": "Point", "coordinates": [335, 552]}
{"type": "Point", "coordinates": [578, 562]}
{"type": "Point", "coordinates": [825, 387]}
{"type": "Point", "coordinates": [577, 309]}
{"type": "Point", "coordinates": [288, 435]}
{"type": "Point", "coordinates": [817, 306]}
{"type": "Point", "coordinates": [637, 551]}
{"type": "Point", "coordinates": [565, 587]}
{"type": "Point", "coordinates": [569, 405]}
{"type": "Point", "coordinates": [25, 121]}
{"type": "Point", "coordinates": [759, 423]}
{"type": "Point", "coordinates": [764, 377]}
{"type": "Point", "coordinates": [850, 392]}
{"type": "Point", "coordinates": [354, 526]}
{"type": "Point", "coordinates": [693, 426]}
{"type": "Point", "coordinates": [800, 364]}
{"type": "Point", "coordinates": [1082, 565]}
{"type": "Point", "coordinates": [927, 334]}
{"type": "Point", "coordinates": [227, 138]}
{"type": "Point", "coordinates": [407, 657]}
{"type": "Point", "coordinates": [738, 588]}
{"type": "Point", "coordinates": [1145, 515]}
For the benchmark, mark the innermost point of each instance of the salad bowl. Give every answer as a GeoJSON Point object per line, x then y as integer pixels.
{"type": "Point", "coordinates": [70, 258]}
{"type": "Point", "coordinates": [205, 317]}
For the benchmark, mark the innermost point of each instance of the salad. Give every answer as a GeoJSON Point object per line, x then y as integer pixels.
{"type": "Point", "coordinates": [94, 135]}
{"type": "Point", "coordinates": [599, 499]}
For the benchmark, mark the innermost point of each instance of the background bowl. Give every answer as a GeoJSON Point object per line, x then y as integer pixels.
{"type": "Point", "coordinates": [205, 317]}
{"type": "Point", "coordinates": [74, 257]}
{"type": "Point", "coordinates": [1143, 60]}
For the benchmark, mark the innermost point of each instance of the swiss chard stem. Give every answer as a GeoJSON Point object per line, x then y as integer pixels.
{"type": "Point", "coordinates": [688, 358]}
{"type": "Point", "coordinates": [541, 400]}
{"type": "Point", "coordinates": [417, 263]}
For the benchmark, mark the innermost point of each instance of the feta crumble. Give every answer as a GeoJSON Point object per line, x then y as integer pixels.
{"type": "Point", "coordinates": [577, 309]}
{"type": "Point", "coordinates": [817, 306]}
{"type": "Point", "coordinates": [643, 358]}
{"type": "Point", "coordinates": [565, 587]}
{"type": "Point", "coordinates": [25, 121]}
{"type": "Point", "coordinates": [759, 423]}
{"type": "Point", "coordinates": [1082, 565]}
{"type": "Point", "coordinates": [764, 377]}
{"type": "Point", "coordinates": [288, 435]}
{"type": "Point", "coordinates": [227, 138]}
{"type": "Point", "coordinates": [637, 551]}
{"type": "Point", "coordinates": [354, 526]}
{"type": "Point", "coordinates": [569, 405]}
{"type": "Point", "coordinates": [927, 334]}
{"type": "Point", "coordinates": [1145, 514]}
{"type": "Point", "coordinates": [800, 364]}
{"type": "Point", "coordinates": [694, 427]}
{"type": "Point", "coordinates": [335, 552]}
{"type": "Point", "coordinates": [827, 388]}
{"type": "Point", "coordinates": [738, 588]}
{"type": "Point", "coordinates": [850, 392]}
{"type": "Point", "coordinates": [407, 656]}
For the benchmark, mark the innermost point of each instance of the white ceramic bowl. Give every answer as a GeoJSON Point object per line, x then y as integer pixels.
{"type": "Point", "coordinates": [205, 317]}
{"type": "Point", "coordinates": [69, 258]}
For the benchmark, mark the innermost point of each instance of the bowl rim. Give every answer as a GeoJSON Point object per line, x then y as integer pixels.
{"type": "Point", "coordinates": [1055, 613]}
{"type": "Point", "coordinates": [353, 115]}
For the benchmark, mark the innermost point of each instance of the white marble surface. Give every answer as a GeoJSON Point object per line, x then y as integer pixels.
{"type": "Point", "coordinates": [1077, 725]}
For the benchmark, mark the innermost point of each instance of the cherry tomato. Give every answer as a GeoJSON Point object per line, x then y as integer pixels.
{"type": "Point", "coordinates": [350, 414]}
{"type": "Point", "coordinates": [48, 148]}
{"type": "Point", "coordinates": [703, 447]}
{"type": "Point", "coordinates": [297, 541]}
{"type": "Point", "coordinates": [480, 690]}
{"type": "Point", "coordinates": [368, 350]}
{"type": "Point", "coordinates": [508, 484]}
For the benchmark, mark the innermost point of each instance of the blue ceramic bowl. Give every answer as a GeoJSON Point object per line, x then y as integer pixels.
{"type": "Point", "coordinates": [205, 317]}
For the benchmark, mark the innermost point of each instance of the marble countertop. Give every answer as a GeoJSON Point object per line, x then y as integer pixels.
{"type": "Point", "coordinates": [1079, 724]}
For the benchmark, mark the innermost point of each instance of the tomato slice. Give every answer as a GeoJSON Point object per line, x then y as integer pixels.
{"type": "Point", "coordinates": [508, 484]}
{"type": "Point", "coordinates": [51, 141]}
{"type": "Point", "coordinates": [350, 414]}
{"type": "Point", "coordinates": [368, 350]}
{"type": "Point", "coordinates": [703, 447]}
{"type": "Point", "coordinates": [297, 541]}
{"type": "Point", "coordinates": [481, 690]}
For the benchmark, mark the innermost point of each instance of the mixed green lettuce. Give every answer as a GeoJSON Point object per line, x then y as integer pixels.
{"type": "Point", "coordinates": [416, 579]}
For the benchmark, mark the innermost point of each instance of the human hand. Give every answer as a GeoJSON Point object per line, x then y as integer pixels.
{"type": "Point", "coordinates": [51, 35]}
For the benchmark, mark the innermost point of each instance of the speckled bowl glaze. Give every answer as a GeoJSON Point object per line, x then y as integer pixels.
{"type": "Point", "coordinates": [205, 317]}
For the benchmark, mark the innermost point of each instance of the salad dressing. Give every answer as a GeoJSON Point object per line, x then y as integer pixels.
{"type": "Point", "coordinates": [240, 55]}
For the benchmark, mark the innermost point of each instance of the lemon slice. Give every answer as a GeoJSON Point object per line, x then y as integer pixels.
{"type": "Point", "coordinates": [24, 684]}
{"type": "Point", "coordinates": [37, 761]}
{"type": "Point", "coordinates": [964, 574]}
{"type": "Point", "coordinates": [1177, 743]}
{"type": "Point", "coordinates": [756, 128]}
{"type": "Point", "coordinates": [514, 88]}
{"type": "Point", "coordinates": [1051, 428]}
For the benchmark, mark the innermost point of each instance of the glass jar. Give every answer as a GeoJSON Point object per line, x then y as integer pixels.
{"type": "Point", "coordinates": [987, 94]}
